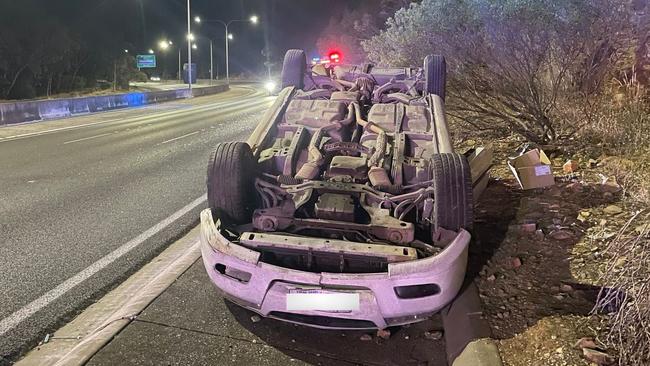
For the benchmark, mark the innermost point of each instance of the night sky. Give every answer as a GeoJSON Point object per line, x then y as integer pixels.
{"type": "Point", "coordinates": [138, 25]}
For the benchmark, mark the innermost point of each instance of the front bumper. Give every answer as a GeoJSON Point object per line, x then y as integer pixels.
{"type": "Point", "coordinates": [261, 287]}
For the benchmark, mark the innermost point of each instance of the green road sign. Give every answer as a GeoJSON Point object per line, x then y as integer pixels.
{"type": "Point", "coordinates": [146, 61]}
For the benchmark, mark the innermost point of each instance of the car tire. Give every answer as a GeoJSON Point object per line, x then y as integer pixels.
{"type": "Point", "coordinates": [231, 194]}
{"type": "Point", "coordinates": [453, 207]}
{"type": "Point", "coordinates": [293, 69]}
{"type": "Point", "coordinates": [435, 73]}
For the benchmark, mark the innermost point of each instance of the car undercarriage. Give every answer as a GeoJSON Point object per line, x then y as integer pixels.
{"type": "Point", "coordinates": [351, 172]}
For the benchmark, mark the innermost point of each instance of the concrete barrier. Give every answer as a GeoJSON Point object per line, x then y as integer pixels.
{"type": "Point", "coordinates": [19, 112]}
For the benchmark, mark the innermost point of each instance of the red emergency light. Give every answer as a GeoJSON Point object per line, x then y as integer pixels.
{"type": "Point", "coordinates": [335, 57]}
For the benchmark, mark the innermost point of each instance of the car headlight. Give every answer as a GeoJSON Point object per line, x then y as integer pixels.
{"type": "Point", "coordinates": [270, 86]}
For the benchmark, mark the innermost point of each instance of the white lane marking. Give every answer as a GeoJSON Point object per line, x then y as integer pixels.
{"type": "Point", "coordinates": [29, 134]}
{"type": "Point", "coordinates": [44, 300]}
{"type": "Point", "coordinates": [179, 137]}
{"type": "Point", "coordinates": [88, 138]}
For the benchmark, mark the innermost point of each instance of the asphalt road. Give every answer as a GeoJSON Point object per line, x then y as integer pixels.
{"type": "Point", "coordinates": [84, 202]}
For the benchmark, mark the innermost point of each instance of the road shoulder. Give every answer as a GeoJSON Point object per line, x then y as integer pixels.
{"type": "Point", "coordinates": [76, 342]}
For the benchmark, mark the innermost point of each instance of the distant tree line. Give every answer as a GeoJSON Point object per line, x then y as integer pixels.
{"type": "Point", "coordinates": [42, 54]}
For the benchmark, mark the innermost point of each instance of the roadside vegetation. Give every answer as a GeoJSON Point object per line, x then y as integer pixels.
{"type": "Point", "coordinates": [40, 55]}
{"type": "Point", "coordinates": [570, 77]}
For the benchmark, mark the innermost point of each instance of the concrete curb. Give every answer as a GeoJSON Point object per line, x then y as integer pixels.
{"type": "Point", "coordinates": [30, 111]}
{"type": "Point", "coordinates": [76, 342]}
{"type": "Point", "coordinates": [467, 333]}
{"type": "Point", "coordinates": [482, 352]}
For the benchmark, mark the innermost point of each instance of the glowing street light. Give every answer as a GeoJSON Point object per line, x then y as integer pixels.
{"type": "Point", "coordinates": [197, 19]}
{"type": "Point", "coordinates": [253, 19]}
{"type": "Point", "coordinates": [163, 45]}
{"type": "Point", "coordinates": [151, 51]}
{"type": "Point", "coordinates": [190, 37]}
{"type": "Point", "coordinates": [126, 51]}
{"type": "Point", "coordinates": [194, 46]}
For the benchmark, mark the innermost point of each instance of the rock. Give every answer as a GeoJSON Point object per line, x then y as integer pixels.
{"type": "Point", "coordinates": [492, 278]}
{"type": "Point", "coordinates": [583, 215]}
{"type": "Point", "coordinates": [539, 234]}
{"type": "Point", "coordinates": [620, 262]}
{"type": "Point", "coordinates": [612, 210]}
{"type": "Point", "coordinates": [366, 337]}
{"type": "Point", "coordinates": [433, 335]}
{"type": "Point", "coordinates": [383, 333]}
{"type": "Point", "coordinates": [561, 235]}
{"type": "Point", "coordinates": [528, 228]}
{"type": "Point", "coordinates": [576, 187]}
{"type": "Point", "coordinates": [559, 350]}
{"type": "Point", "coordinates": [255, 318]}
{"type": "Point", "coordinates": [585, 342]}
{"type": "Point", "coordinates": [610, 186]}
{"type": "Point", "coordinates": [555, 289]}
{"type": "Point", "coordinates": [559, 297]}
{"type": "Point", "coordinates": [566, 288]}
{"type": "Point", "coordinates": [570, 166]}
{"type": "Point", "coordinates": [515, 262]}
{"type": "Point", "coordinates": [602, 222]}
{"type": "Point", "coordinates": [598, 357]}
{"type": "Point", "coordinates": [523, 228]}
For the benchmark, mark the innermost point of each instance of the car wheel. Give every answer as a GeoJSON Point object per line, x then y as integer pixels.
{"type": "Point", "coordinates": [435, 70]}
{"type": "Point", "coordinates": [293, 69]}
{"type": "Point", "coordinates": [231, 194]}
{"type": "Point", "coordinates": [453, 207]}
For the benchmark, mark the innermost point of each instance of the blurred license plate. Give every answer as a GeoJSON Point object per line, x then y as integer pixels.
{"type": "Point", "coordinates": [312, 299]}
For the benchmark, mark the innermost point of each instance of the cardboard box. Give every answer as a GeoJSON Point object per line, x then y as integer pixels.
{"type": "Point", "coordinates": [532, 169]}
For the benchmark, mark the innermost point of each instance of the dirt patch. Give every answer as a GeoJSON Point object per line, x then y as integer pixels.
{"type": "Point", "coordinates": [538, 255]}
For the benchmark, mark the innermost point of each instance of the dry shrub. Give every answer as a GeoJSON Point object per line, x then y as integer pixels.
{"type": "Point", "coordinates": [619, 120]}
{"type": "Point", "coordinates": [633, 174]}
{"type": "Point", "coordinates": [628, 291]}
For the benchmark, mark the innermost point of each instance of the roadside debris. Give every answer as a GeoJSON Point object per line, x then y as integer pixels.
{"type": "Point", "coordinates": [571, 166]}
{"type": "Point", "coordinates": [585, 342]}
{"type": "Point", "coordinates": [255, 318]}
{"type": "Point", "coordinates": [433, 335]}
{"type": "Point", "coordinates": [598, 357]}
{"type": "Point", "coordinates": [383, 333]}
{"type": "Point", "coordinates": [532, 169]}
{"type": "Point", "coordinates": [366, 337]}
{"type": "Point", "coordinates": [612, 210]}
{"type": "Point", "coordinates": [561, 235]}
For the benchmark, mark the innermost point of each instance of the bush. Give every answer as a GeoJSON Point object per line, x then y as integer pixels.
{"type": "Point", "coordinates": [512, 63]}
{"type": "Point", "coordinates": [628, 292]}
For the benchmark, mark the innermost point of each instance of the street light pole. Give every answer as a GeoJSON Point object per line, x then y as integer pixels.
{"type": "Point", "coordinates": [253, 19]}
{"type": "Point", "coordinates": [227, 65]}
{"type": "Point", "coordinates": [189, 47]}
{"type": "Point", "coordinates": [211, 64]}
{"type": "Point", "coordinates": [179, 63]}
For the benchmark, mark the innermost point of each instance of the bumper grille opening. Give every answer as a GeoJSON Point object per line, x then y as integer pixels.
{"type": "Point", "coordinates": [417, 291]}
{"type": "Point", "coordinates": [233, 273]}
{"type": "Point", "coordinates": [323, 321]}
